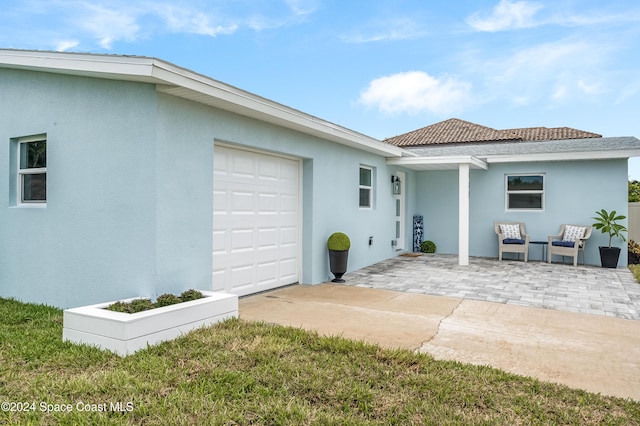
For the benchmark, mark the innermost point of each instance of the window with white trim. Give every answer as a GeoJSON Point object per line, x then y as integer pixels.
{"type": "Point", "coordinates": [366, 187]}
{"type": "Point", "coordinates": [32, 170]}
{"type": "Point", "coordinates": [525, 191]}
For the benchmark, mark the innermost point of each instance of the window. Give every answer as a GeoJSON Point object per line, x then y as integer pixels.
{"type": "Point", "coordinates": [525, 192]}
{"type": "Point", "coordinates": [32, 170]}
{"type": "Point", "coordinates": [366, 187]}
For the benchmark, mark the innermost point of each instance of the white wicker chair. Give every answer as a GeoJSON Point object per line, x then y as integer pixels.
{"type": "Point", "coordinates": [565, 244]}
{"type": "Point", "coordinates": [508, 243]}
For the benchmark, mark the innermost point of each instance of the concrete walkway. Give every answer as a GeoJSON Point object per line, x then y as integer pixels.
{"type": "Point", "coordinates": [598, 351]}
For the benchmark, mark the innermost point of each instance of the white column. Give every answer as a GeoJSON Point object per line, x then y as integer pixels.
{"type": "Point", "coordinates": [463, 214]}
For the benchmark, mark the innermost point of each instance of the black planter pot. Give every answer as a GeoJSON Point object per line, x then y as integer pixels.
{"type": "Point", "coordinates": [609, 256]}
{"type": "Point", "coordinates": [338, 264]}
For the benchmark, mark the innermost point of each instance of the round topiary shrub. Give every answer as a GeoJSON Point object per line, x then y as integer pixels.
{"type": "Point", "coordinates": [428, 247]}
{"type": "Point", "coordinates": [166, 300]}
{"type": "Point", "coordinates": [338, 242]}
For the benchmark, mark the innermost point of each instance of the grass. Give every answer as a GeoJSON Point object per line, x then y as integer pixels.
{"type": "Point", "coordinates": [239, 372]}
{"type": "Point", "coordinates": [635, 270]}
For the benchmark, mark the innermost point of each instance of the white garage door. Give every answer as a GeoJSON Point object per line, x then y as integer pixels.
{"type": "Point", "coordinates": [255, 221]}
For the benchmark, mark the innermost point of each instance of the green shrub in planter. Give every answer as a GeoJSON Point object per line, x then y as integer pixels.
{"type": "Point", "coordinates": [428, 247]}
{"type": "Point", "coordinates": [139, 305]}
{"type": "Point", "coordinates": [119, 307]}
{"type": "Point", "coordinates": [189, 295]}
{"type": "Point", "coordinates": [166, 300]}
{"type": "Point", "coordinates": [338, 242]}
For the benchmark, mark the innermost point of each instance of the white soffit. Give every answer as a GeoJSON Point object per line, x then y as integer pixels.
{"type": "Point", "coordinates": [177, 81]}
{"type": "Point", "coordinates": [565, 156]}
{"type": "Point", "coordinates": [439, 163]}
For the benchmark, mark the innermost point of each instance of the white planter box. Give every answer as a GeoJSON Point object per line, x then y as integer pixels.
{"type": "Point", "coordinates": [125, 333]}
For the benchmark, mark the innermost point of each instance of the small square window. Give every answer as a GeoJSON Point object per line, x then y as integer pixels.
{"type": "Point", "coordinates": [366, 187]}
{"type": "Point", "coordinates": [32, 170]}
{"type": "Point", "coordinates": [525, 192]}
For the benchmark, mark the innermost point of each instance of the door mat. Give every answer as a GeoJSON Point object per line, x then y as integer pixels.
{"type": "Point", "coordinates": [411, 254]}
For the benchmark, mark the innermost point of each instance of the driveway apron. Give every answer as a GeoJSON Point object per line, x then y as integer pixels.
{"type": "Point", "coordinates": [575, 326]}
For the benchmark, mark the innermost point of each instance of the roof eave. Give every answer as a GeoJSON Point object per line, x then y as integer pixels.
{"type": "Point", "coordinates": [445, 162]}
{"type": "Point", "coordinates": [565, 156]}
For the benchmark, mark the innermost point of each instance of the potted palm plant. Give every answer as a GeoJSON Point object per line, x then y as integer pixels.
{"type": "Point", "coordinates": [607, 223]}
{"type": "Point", "coordinates": [338, 245]}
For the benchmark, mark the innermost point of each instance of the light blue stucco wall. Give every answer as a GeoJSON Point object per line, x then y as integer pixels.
{"type": "Point", "coordinates": [94, 239]}
{"type": "Point", "coordinates": [574, 190]}
{"type": "Point", "coordinates": [130, 191]}
{"type": "Point", "coordinates": [330, 178]}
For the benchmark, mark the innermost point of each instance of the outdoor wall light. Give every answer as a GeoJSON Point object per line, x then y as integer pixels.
{"type": "Point", "coordinates": [395, 185]}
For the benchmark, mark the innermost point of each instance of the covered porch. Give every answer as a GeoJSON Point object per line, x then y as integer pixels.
{"type": "Point", "coordinates": [463, 164]}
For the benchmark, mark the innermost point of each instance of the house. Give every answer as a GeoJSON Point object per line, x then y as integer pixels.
{"type": "Point", "coordinates": [129, 176]}
{"type": "Point", "coordinates": [159, 179]}
{"type": "Point", "coordinates": [467, 168]}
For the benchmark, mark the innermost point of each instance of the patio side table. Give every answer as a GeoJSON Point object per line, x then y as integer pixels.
{"type": "Point", "coordinates": [544, 245]}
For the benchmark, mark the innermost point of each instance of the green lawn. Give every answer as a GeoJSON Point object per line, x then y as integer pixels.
{"type": "Point", "coordinates": [251, 373]}
{"type": "Point", "coordinates": [635, 270]}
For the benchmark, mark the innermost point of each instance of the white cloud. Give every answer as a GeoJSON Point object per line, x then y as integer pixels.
{"type": "Point", "coordinates": [64, 45]}
{"type": "Point", "coordinates": [102, 23]}
{"type": "Point", "coordinates": [393, 29]}
{"type": "Point", "coordinates": [505, 16]}
{"type": "Point", "coordinates": [630, 90]}
{"type": "Point", "coordinates": [560, 71]}
{"type": "Point", "coordinates": [588, 87]}
{"type": "Point", "coordinates": [559, 93]}
{"type": "Point", "coordinates": [415, 92]}
{"type": "Point", "coordinates": [109, 25]}
{"type": "Point", "coordinates": [302, 7]}
{"type": "Point", "coordinates": [599, 17]}
{"type": "Point", "coordinates": [191, 21]}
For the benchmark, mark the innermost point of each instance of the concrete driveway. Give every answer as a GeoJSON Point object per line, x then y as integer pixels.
{"type": "Point", "coordinates": [598, 351]}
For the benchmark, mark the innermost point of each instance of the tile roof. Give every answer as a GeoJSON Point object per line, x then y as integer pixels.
{"type": "Point", "coordinates": [551, 134]}
{"type": "Point", "coordinates": [455, 130]}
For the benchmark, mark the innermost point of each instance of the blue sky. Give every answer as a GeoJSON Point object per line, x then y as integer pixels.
{"type": "Point", "coordinates": [378, 67]}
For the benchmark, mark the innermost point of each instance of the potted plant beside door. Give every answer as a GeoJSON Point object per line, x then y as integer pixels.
{"type": "Point", "coordinates": [338, 245]}
{"type": "Point", "coordinates": [607, 223]}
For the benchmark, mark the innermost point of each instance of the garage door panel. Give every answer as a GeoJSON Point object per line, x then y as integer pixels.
{"type": "Point", "coordinates": [267, 273]}
{"type": "Point", "coordinates": [268, 169]}
{"type": "Point", "coordinates": [242, 276]}
{"type": "Point", "coordinates": [219, 277]}
{"type": "Point", "coordinates": [219, 242]}
{"type": "Point", "coordinates": [256, 221]}
{"type": "Point", "coordinates": [288, 236]}
{"type": "Point", "coordinates": [241, 202]}
{"type": "Point", "coordinates": [268, 203]}
{"type": "Point", "coordinates": [268, 238]}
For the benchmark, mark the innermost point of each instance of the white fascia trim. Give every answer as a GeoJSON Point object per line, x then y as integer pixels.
{"type": "Point", "coordinates": [564, 156]}
{"type": "Point", "coordinates": [130, 68]}
{"type": "Point", "coordinates": [267, 110]}
{"type": "Point", "coordinates": [171, 78]}
{"type": "Point", "coordinates": [473, 162]}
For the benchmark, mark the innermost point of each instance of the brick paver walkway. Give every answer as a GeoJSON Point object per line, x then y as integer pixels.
{"type": "Point", "coordinates": [583, 289]}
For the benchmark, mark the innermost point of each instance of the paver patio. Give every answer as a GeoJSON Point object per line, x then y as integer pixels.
{"type": "Point", "coordinates": [582, 289]}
